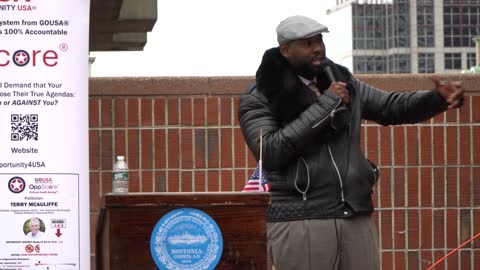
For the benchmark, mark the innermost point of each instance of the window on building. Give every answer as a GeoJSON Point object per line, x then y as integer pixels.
{"type": "Point", "coordinates": [425, 23]}
{"type": "Point", "coordinates": [471, 60]}
{"type": "Point", "coordinates": [384, 24]}
{"type": "Point", "coordinates": [461, 19]}
{"type": "Point", "coordinates": [369, 64]}
{"type": "Point", "coordinates": [399, 63]}
{"type": "Point", "coordinates": [369, 26]}
{"type": "Point", "coordinates": [426, 63]}
{"type": "Point", "coordinates": [398, 24]}
{"type": "Point", "coordinates": [453, 61]}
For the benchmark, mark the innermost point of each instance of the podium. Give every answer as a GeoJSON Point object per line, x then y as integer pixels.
{"type": "Point", "coordinates": [127, 220]}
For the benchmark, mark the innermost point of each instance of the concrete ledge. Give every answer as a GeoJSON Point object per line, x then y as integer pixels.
{"type": "Point", "coordinates": [407, 82]}
{"type": "Point", "coordinates": [153, 86]}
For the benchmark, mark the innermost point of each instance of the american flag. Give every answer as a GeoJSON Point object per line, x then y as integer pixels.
{"type": "Point", "coordinates": [253, 183]}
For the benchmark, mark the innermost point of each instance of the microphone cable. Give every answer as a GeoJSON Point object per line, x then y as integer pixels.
{"type": "Point", "coordinates": [338, 245]}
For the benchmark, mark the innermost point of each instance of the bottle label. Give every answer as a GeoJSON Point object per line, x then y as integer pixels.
{"type": "Point", "coordinates": [120, 176]}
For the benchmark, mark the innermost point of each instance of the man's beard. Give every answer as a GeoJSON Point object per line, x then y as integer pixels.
{"type": "Point", "coordinates": [305, 69]}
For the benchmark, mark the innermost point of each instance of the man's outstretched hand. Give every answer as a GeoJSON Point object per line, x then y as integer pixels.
{"type": "Point", "coordinates": [452, 92]}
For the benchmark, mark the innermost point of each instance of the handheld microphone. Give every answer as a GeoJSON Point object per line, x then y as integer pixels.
{"type": "Point", "coordinates": [333, 75]}
{"type": "Point", "coordinates": [329, 72]}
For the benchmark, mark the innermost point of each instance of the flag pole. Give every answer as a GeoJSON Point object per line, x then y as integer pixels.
{"type": "Point", "coordinates": [260, 169]}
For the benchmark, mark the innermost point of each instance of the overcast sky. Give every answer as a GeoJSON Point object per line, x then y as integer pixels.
{"type": "Point", "coordinates": [207, 38]}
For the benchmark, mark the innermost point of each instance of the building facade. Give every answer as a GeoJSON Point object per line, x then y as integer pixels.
{"type": "Point", "coordinates": [404, 36]}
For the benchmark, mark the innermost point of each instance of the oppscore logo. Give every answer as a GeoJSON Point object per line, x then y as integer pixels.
{"type": "Point", "coordinates": [16, 184]}
{"type": "Point", "coordinates": [45, 184]}
{"type": "Point", "coordinates": [23, 58]}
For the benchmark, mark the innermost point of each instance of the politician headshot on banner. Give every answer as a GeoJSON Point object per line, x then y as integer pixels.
{"type": "Point", "coordinates": [34, 228]}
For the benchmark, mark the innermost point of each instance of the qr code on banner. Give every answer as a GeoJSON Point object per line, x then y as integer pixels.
{"type": "Point", "coordinates": [24, 127]}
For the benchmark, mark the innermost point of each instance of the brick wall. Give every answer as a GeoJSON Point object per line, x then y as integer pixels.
{"type": "Point", "coordinates": [182, 134]}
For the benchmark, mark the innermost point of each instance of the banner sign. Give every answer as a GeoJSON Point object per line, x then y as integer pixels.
{"type": "Point", "coordinates": [44, 194]}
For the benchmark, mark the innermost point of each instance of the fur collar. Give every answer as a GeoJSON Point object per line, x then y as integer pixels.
{"type": "Point", "coordinates": [288, 96]}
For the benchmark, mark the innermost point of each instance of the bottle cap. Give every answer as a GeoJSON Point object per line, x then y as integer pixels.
{"type": "Point", "coordinates": [120, 157]}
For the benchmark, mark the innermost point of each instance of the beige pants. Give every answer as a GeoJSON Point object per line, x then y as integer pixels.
{"type": "Point", "coordinates": [324, 244]}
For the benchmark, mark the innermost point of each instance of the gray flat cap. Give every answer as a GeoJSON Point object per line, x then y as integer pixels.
{"type": "Point", "coordinates": [298, 27]}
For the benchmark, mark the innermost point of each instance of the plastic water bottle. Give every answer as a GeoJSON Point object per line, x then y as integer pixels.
{"type": "Point", "coordinates": [120, 179]}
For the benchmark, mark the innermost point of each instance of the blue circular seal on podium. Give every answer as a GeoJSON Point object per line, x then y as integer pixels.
{"type": "Point", "coordinates": [186, 239]}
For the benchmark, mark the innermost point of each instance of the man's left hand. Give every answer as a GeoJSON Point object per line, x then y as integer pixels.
{"type": "Point", "coordinates": [452, 92]}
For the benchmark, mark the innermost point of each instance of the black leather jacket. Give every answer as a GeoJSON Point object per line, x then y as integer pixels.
{"type": "Point", "coordinates": [311, 144]}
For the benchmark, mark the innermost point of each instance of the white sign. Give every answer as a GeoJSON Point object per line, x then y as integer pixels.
{"type": "Point", "coordinates": [44, 194]}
